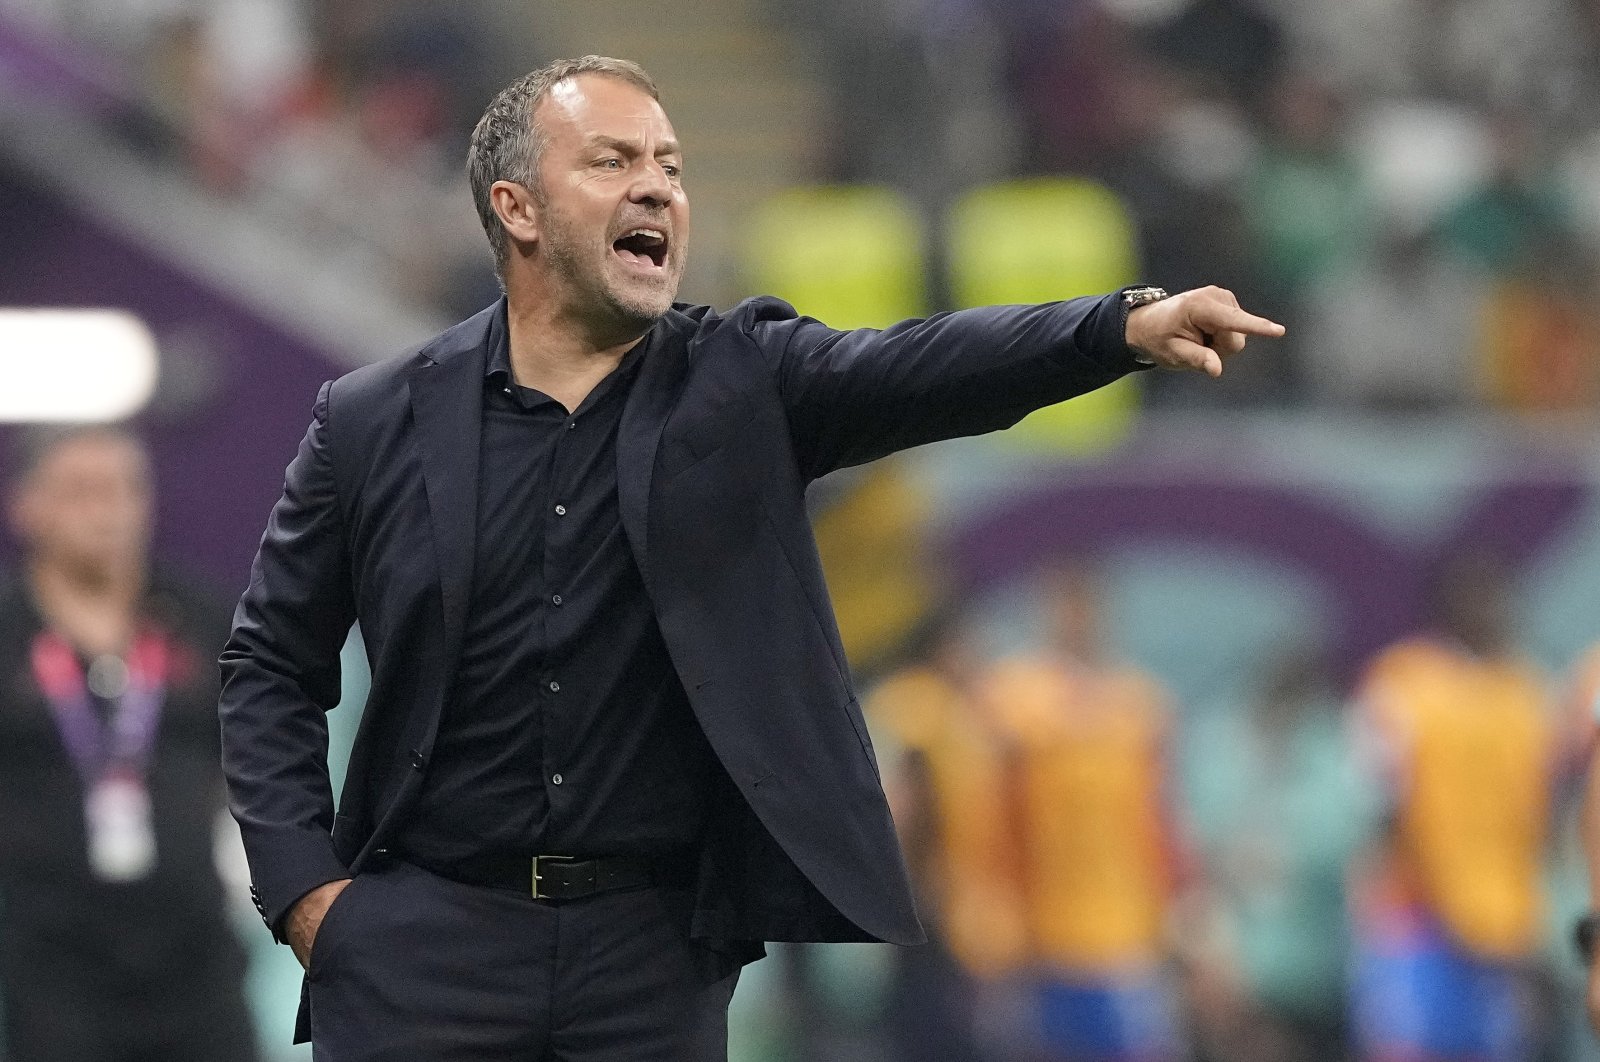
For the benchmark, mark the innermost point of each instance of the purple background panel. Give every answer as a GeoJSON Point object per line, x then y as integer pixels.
{"type": "Point", "coordinates": [1378, 585]}
{"type": "Point", "coordinates": [219, 462]}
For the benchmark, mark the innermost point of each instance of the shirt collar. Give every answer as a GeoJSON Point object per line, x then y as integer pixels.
{"type": "Point", "coordinates": [499, 344]}
{"type": "Point", "coordinates": [498, 366]}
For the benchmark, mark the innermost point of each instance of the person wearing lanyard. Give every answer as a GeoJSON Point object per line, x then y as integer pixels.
{"type": "Point", "coordinates": [115, 944]}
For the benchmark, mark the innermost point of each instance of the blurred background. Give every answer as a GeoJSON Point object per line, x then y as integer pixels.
{"type": "Point", "coordinates": [1237, 719]}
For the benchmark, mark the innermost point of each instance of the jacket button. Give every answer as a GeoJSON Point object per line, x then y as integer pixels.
{"type": "Point", "coordinates": [417, 760]}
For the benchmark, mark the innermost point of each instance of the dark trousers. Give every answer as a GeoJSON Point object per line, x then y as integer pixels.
{"type": "Point", "coordinates": [411, 966]}
{"type": "Point", "coordinates": [931, 1011]}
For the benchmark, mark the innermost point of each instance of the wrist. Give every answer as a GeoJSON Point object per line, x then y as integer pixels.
{"type": "Point", "coordinates": [1134, 302]}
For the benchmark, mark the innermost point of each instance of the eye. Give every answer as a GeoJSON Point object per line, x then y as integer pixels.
{"type": "Point", "coordinates": [673, 170]}
{"type": "Point", "coordinates": [611, 163]}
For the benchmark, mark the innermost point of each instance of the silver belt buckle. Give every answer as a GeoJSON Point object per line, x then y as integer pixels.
{"type": "Point", "coordinates": [537, 877]}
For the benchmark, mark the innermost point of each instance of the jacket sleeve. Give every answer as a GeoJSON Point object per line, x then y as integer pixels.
{"type": "Point", "coordinates": [280, 675]}
{"type": "Point", "coordinates": [855, 396]}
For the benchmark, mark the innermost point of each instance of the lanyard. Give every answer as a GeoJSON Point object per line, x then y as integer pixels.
{"type": "Point", "coordinates": [121, 746]}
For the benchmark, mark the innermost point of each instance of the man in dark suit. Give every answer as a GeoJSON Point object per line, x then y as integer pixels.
{"type": "Point", "coordinates": [611, 744]}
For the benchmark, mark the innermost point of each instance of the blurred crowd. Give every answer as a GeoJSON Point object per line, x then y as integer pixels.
{"type": "Point", "coordinates": [347, 121]}
{"type": "Point", "coordinates": [1339, 874]}
{"type": "Point", "coordinates": [1413, 186]}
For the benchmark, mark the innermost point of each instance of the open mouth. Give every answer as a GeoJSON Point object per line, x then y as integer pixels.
{"type": "Point", "coordinates": [642, 247]}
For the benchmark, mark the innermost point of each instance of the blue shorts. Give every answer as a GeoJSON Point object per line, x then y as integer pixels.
{"type": "Point", "coordinates": [1420, 995]}
{"type": "Point", "coordinates": [1125, 1019]}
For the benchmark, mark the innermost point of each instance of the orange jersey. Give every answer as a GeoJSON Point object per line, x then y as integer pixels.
{"type": "Point", "coordinates": [1473, 746]}
{"type": "Point", "coordinates": [976, 892]}
{"type": "Point", "coordinates": [1092, 772]}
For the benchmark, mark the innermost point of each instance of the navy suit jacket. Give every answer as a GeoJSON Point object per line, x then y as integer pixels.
{"type": "Point", "coordinates": [722, 432]}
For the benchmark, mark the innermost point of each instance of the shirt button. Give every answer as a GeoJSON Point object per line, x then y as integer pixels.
{"type": "Point", "coordinates": [555, 599]}
{"type": "Point", "coordinates": [555, 687]}
{"type": "Point", "coordinates": [571, 424]}
{"type": "Point", "coordinates": [561, 510]}
{"type": "Point", "coordinates": [508, 390]}
{"type": "Point", "coordinates": [555, 779]}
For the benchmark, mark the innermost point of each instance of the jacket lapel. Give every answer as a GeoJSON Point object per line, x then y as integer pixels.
{"type": "Point", "coordinates": [447, 408]}
{"type": "Point", "coordinates": [651, 399]}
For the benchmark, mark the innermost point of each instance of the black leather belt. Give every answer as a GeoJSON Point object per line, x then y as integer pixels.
{"type": "Point", "coordinates": [550, 877]}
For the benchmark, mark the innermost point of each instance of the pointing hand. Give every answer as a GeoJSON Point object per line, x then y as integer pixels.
{"type": "Point", "coordinates": [1197, 330]}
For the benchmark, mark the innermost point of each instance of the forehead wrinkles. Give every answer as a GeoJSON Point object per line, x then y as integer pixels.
{"type": "Point", "coordinates": [579, 111]}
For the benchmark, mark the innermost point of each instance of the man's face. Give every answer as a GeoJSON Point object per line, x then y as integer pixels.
{"type": "Point", "coordinates": [87, 504]}
{"type": "Point", "coordinates": [614, 219]}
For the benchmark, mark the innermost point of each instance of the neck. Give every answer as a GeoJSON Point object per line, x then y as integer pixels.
{"type": "Point", "coordinates": [560, 355]}
{"type": "Point", "coordinates": [92, 606]}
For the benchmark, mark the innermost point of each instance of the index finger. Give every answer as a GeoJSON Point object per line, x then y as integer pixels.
{"type": "Point", "coordinates": [1233, 319]}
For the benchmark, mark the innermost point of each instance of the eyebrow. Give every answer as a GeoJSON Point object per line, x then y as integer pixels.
{"type": "Point", "coordinates": [666, 147]}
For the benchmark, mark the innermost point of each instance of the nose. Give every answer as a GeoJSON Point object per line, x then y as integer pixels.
{"type": "Point", "coordinates": [654, 187]}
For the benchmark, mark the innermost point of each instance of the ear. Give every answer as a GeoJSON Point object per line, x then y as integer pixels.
{"type": "Point", "coordinates": [518, 212]}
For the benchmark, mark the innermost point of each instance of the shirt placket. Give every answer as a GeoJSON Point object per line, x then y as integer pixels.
{"type": "Point", "coordinates": [556, 689]}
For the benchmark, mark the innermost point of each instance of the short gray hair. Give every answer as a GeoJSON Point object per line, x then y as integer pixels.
{"type": "Point", "coordinates": [507, 142]}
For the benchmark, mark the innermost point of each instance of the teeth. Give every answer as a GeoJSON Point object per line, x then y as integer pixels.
{"type": "Point", "coordinates": [654, 234]}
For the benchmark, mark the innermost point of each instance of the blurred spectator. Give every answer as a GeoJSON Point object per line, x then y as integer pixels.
{"type": "Point", "coordinates": [950, 780]}
{"type": "Point", "coordinates": [1399, 329]}
{"type": "Point", "coordinates": [115, 941]}
{"type": "Point", "coordinates": [1102, 863]}
{"type": "Point", "coordinates": [1067, 72]}
{"type": "Point", "coordinates": [1485, 52]}
{"type": "Point", "coordinates": [1540, 344]}
{"type": "Point", "coordinates": [1230, 48]}
{"type": "Point", "coordinates": [1451, 903]}
{"type": "Point", "coordinates": [1281, 807]}
{"type": "Point", "coordinates": [1309, 214]}
{"type": "Point", "coordinates": [343, 120]}
{"type": "Point", "coordinates": [1502, 225]}
{"type": "Point", "coordinates": [1312, 215]}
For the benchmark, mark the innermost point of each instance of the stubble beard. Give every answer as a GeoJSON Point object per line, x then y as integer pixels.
{"type": "Point", "coordinates": [630, 310]}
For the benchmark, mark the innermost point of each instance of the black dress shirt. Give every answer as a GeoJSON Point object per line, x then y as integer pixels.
{"type": "Point", "coordinates": [567, 731]}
